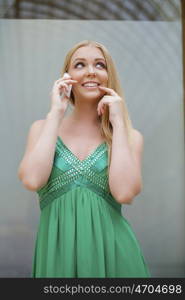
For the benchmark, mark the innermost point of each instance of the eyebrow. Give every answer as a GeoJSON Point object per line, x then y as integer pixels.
{"type": "Point", "coordinates": [99, 58]}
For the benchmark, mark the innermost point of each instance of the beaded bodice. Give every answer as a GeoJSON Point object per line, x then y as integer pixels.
{"type": "Point", "coordinates": [69, 172]}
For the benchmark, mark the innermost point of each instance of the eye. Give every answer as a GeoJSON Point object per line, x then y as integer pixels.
{"type": "Point", "coordinates": [101, 65]}
{"type": "Point", "coordinates": [79, 64]}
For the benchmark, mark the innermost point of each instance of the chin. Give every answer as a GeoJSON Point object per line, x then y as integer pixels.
{"type": "Point", "coordinates": [90, 95]}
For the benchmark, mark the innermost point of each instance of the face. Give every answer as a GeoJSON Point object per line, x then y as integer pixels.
{"type": "Point", "coordinates": [88, 67]}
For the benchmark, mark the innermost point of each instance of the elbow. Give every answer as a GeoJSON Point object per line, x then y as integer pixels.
{"type": "Point", "coordinates": [19, 174]}
{"type": "Point", "coordinates": [31, 186]}
{"type": "Point", "coordinates": [27, 183]}
{"type": "Point", "coordinates": [127, 198]}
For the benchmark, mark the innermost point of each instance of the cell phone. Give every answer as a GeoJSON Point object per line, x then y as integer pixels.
{"type": "Point", "coordinates": [68, 93]}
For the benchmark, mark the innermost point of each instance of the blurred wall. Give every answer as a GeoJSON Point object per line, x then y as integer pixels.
{"type": "Point", "coordinates": [148, 57]}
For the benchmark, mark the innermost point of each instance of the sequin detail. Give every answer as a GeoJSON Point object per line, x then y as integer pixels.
{"type": "Point", "coordinates": [76, 173]}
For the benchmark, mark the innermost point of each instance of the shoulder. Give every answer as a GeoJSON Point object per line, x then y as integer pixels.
{"type": "Point", "coordinates": [33, 134]}
{"type": "Point", "coordinates": [35, 128]}
{"type": "Point", "coordinates": [37, 124]}
{"type": "Point", "coordinates": [138, 139]}
{"type": "Point", "coordinates": [137, 135]}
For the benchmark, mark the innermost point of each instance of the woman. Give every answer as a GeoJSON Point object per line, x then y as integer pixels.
{"type": "Point", "coordinates": [84, 166]}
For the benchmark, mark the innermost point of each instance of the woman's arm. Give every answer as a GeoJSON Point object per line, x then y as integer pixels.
{"type": "Point", "coordinates": [125, 179]}
{"type": "Point", "coordinates": [36, 165]}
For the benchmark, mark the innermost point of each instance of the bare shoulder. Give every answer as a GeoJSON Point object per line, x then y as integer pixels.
{"type": "Point", "coordinates": [33, 134]}
{"type": "Point", "coordinates": [138, 140]}
{"type": "Point", "coordinates": [35, 129]}
{"type": "Point", "coordinates": [32, 137]}
{"type": "Point", "coordinates": [137, 134]}
{"type": "Point", "coordinates": [37, 124]}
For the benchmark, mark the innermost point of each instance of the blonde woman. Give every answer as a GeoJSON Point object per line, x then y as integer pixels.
{"type": "Point", "coordinates": [84, 166]}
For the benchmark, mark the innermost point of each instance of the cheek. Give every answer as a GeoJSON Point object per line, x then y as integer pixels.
{"type": "Point", "coordinates": [104, 77]}
{"type": "Point", "coordinates": [76, 75]}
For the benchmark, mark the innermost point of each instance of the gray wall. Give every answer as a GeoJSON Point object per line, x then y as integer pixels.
{"type": "Point", "coordinates": [149, 61]}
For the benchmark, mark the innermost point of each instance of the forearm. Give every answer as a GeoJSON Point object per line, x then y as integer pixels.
{"type": "Point", "coordinates": [123, 177]}
{"type": "Point", "coordinates": [37, 166]}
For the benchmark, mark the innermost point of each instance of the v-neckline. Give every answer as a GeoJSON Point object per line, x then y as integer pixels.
{"type": "Point", "coordinates": [85, 159]}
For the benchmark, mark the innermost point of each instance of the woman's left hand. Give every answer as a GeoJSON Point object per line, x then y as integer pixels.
{"type": "Point", "coordinates": [115, 103]}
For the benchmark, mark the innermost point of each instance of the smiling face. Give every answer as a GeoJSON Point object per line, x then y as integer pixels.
{"type": "Point", "coordinates": [88, 67]}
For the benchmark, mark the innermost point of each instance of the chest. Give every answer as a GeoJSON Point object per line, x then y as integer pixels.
{"type": "Point", "coordinates": [81, 146]}
{"type": "Point", "coordinates": [81, 141]}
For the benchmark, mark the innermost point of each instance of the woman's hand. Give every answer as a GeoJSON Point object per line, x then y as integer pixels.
{"type": "Point", "coordinates": [59, 99]}
{"type": "Point", "coordinates": [114, 102]}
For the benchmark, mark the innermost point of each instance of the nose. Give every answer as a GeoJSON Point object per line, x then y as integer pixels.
{"type": "Point", "coordinates": [91, 70]}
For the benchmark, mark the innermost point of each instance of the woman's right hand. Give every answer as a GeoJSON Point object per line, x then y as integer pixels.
{"type": "Point", "coordinates": [60, 87]}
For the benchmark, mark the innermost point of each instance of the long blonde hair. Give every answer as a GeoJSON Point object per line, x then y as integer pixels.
{"type": "Point", "coordinates": [113, 83]}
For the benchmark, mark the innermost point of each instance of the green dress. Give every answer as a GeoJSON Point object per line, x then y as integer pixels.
{"type": "Point", "coordinates": [82, 232]}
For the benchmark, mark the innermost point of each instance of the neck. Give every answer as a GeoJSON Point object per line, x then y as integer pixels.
{"type": "Point", "coordinates": [85, 114]}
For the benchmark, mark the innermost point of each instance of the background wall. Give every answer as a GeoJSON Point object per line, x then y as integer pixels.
{"type": "Point", "coordinates": [149, 61]}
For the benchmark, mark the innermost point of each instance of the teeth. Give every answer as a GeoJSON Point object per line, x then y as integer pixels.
{"type": "Point", "coordinates": [90, 84]}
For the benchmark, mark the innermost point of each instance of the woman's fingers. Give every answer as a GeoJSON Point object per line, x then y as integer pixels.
{"type": "Point", "coordinates": [66, 80]}
{"type": "Point", "coordinates": [108, 91]}
{"type": "Point", "coordinates": [101, 109]}
{"type": "Point", "coordinates": [61, 84]}
{"type": "Point", "coordinates": [64, 84]}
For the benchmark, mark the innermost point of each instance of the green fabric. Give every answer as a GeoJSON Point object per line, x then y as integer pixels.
{"type": "Point", "coordinates": [82, 232]}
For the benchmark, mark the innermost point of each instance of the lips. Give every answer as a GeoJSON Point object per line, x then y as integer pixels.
{"type": "Point", "coordinates": [90, 84]}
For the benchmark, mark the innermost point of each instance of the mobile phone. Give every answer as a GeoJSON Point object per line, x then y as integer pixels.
{"type": "Point", "coordinates": [68, 93]}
